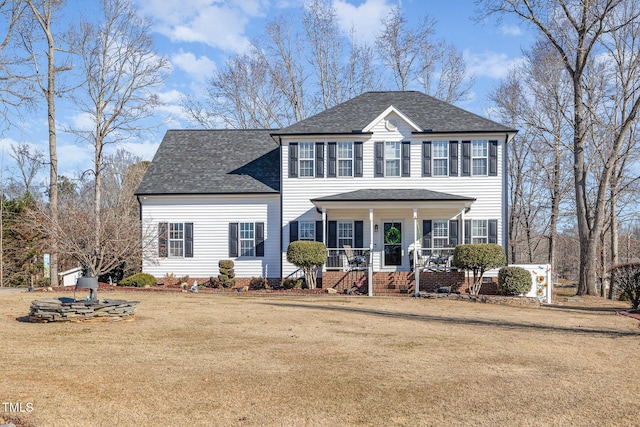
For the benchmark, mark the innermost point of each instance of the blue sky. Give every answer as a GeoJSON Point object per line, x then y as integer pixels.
{"type": "Point", "coordinates": [198, 35]}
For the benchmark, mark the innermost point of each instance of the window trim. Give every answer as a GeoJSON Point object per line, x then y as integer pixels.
{"type": "Point", "coordinates": [434, 157]}
{"type": "Point", "coordinates": [170, 239]}
{"type": "Point", "coordinates": [484, 157]}
{"type": "Point", "coordinates": [344, 159]}
{"type": "Point", "coordinates": [394, 159]}
{"type": "Point", "coordinates": [312, 230]}
{"type": "Point", "coordinates": [311, 158]}
{"type": "Point", "coordinates": [474, 236]}
{"type": "Point", "coordinates": [242, 239]}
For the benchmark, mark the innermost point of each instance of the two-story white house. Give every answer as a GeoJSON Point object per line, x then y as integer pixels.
{"type": "Point", "coordinates": [387, 180]}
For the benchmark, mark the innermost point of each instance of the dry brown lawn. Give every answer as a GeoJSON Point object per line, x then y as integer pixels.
{"type": "Point", "coordinates": [233, 360]}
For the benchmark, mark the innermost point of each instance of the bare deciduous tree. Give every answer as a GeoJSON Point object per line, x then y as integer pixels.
{"type": "Point", "coordinates": [29, 162]}
{"type": "Point", "coordinates": [120, 72]}
{"type": "Point", "coordinates": [43, 12]}
{"type": "Point", "coordinates": [579, 31]}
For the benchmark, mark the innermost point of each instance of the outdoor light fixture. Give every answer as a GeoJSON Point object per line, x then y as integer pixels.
{"type": "Point", "coordinates": [375, 228]}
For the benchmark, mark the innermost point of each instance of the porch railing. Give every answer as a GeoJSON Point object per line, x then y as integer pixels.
{"type": "Point", "coordinates": [342, 259]}
{"type": "Point", "coordinates": [434, 259]}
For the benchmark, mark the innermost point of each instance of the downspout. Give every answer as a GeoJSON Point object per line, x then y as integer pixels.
{"type": "Point", "coordinates": [281, 217]}
{"type": "Point", "coordinates": [370, 264]}
{"type": "Point", "coordinates": [416, 267]}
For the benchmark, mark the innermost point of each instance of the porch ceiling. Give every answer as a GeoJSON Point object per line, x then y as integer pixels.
{"type": "Point", "coordinates": [393, 199]}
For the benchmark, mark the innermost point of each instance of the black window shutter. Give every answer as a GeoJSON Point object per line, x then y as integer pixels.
{"type": "Point", "coordinates": [406, 158]}
{"type": "Point", "coordinates": [358, 234]}
{"type": "Point", "coordinates": [493, 158]}
{"type": "Point", "coordinates": [453, 233]}
{"type": "Point", "coordinates": [332, 234]}
{"type": "Point", "coordinates": [426, 233]}
{"type": "Point", "coordinates": [163, 250]}
{"type": "Point", "coordinates": [466, 158]}
{"type": "Point", "coordinates": [188, 239]}
{"type": "Point", "coordinates": [357, 159]}
{"type": "Point", "coordinates": [233, 239]}
{"type": "Point", "coordinates": [293, 231]}
{"type": "Point", "coordinates": [379, 159]}
{"type": "Point", "coordinates": [293, 160]}
{"type": "Point", "coordinates": [259, 238]}
{"type": "Point", "coordinates": [453, 158]}
{"type": "Point", "coordinates": [467, 231]}
{"type": "Point", "coordinates": [331, 160]}
{"type": "Point", "coordinates": [319, 237]}
{"type": "Point", "coordinates": [493, 231]}
{"type": "Point", "coordinates": [426, 158]}
{"type": "Point", "coordinates": [319, 159]}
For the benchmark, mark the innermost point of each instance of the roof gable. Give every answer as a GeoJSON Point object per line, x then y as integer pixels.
{"type": "Point", "coordinates": [387, 112]}
{"type": "Point", "coordinates": [425, 113]}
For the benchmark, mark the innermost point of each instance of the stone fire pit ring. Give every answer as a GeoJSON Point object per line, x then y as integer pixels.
{"type": "Point", "coordinates": [68, 310]}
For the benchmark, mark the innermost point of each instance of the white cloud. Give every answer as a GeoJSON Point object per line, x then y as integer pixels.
{"type": "Point", "coordinates": [199, 68]}
{"type": "Point", "coordinates": [493, 65]}
{"type": "Point", "coordinates": [144, 149]}
{"type": "Point", "coordinates": [364, 18]}
{"type": "Point", "coordinates": [219, 24]}
{"type": "Point", "coordinates": [511, 30]}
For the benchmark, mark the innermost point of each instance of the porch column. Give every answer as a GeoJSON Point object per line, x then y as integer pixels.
{"type": "Point", "coordinates": [416, 267]}
{"type": "Point", "coordinates": [324, 226]}
{"type": "Point", "coordinates": [370, 263]}
{"type": "Point", "coordinates": [462, 224]}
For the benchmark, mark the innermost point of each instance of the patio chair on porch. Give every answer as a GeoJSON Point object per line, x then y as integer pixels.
{"type": "Point", "coordinates": [354, 261]}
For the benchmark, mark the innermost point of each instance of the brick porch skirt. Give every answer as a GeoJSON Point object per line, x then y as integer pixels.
{"type": "Point", "coordinates": [399, 283]}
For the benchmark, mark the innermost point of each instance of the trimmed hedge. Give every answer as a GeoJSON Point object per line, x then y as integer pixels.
{"type": "Point", "coordinates": [514, 281]}
{"type": "Point", "coordinates": [139, 280]}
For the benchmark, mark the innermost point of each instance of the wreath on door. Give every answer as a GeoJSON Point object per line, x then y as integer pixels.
{"type": "Point", "coordinates": [392, 236]}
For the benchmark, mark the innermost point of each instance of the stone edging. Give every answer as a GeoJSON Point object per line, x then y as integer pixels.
{"type": "Point", "coordinates": [67, 310]}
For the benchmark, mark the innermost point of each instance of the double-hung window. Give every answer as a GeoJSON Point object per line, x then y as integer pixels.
{"type": "Point", "coordinates": [479, 155]}
{"type": "Point", "coordinates": [345, 233]}
{"type": "Point", "coordinates": [479, 231]}
{"type": "Point", "coordinates": [440, 234]}
{"type": "Point", "coordinates": [307, 230]}
{"type": "Point", "coordinates": [392, 158]}
{"type": "Point", "coordinates": [247, 238]}
{"type": "Point", "coordinates": [306, 159]}
{"type": "Point", "coordinates": [345, 159]}
{"type": "Point", "coordinates": [440, 158]}
{"type": "Point", "coordinates": [176, 239]}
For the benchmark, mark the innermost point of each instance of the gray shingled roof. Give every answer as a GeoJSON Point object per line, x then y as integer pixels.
{"type": "Point", "coordinates": [430, 114]}
{"type": "Point", "coordinates": [392, 195]}
{"type": "Point", "coordinates": [214, 162]}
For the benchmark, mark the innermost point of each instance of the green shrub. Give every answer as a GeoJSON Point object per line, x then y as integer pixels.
{"type": "Point", "coordinates": [258, 283]}
{"type": "Point", "coordinates": [478, 258]}
{"type": "Point", "coordinates": [226, 273]}
{"type": "Point", "coordinates": [514, 281]}
{"type": "Point", "coordinates": [226, 263]}
{"type": "Point", "coordinates": [292, 283]}
{"type": "Point", "coordinates": [309, 256]}
{"type": "Point", "coordinates": [138, 280]}
{"type": "Point", "coordinates": [625, 279]}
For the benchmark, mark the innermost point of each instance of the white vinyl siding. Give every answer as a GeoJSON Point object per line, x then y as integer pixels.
{"type": "Point", "coordinates": [211, 216]}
